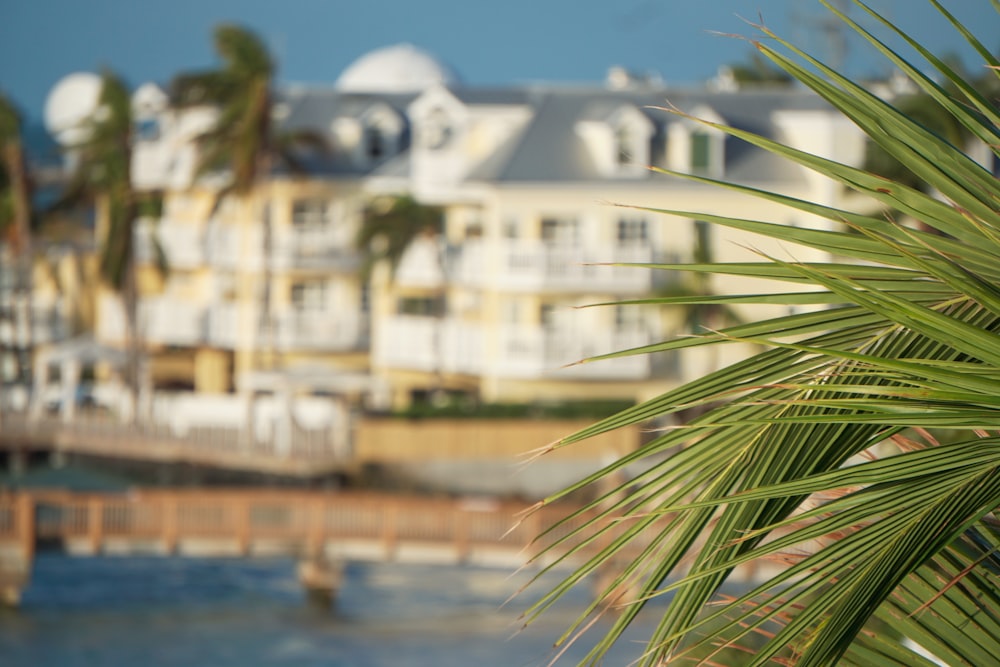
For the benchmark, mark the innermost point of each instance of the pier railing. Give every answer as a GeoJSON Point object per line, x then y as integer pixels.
{"type": "Point", "coordinates": [312, 526]}
{"type": "Point", "coordinates": [320, 529]}
{"type": "Point", "coordinates": [245, 522]}
{"type": "Point", "coordinates": [311, 452]}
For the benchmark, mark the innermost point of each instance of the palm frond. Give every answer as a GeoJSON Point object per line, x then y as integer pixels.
{"type": "Point", "coordinates": [881, 560]}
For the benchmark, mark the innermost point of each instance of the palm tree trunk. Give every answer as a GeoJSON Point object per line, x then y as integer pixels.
{"type": "Point", "coordinates": [267, 348]}
{"type": "Point", "coordinates": [14, 163]}
{"type": "Point", "coordinates": [130, 299]}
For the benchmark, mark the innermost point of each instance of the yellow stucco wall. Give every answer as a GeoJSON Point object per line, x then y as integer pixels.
{"type": "Point", "coordinates": [404, 440]}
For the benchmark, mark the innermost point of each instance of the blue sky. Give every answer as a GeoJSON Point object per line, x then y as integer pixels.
{"type": "Point", "coordinates": [487, 43]}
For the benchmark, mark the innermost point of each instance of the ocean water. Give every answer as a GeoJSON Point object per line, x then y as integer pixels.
{"type": "Point", "coordinates": [159, 612]}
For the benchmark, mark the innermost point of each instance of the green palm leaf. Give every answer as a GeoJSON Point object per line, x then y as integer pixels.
{"type": "Point", "coordinates": [881, 558]}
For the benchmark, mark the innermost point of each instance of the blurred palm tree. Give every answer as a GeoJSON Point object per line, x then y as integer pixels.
{"type": "Point", "coordinates": [857, 454]}
{"type": "Point", "coordinates": [242, 141]}
{"type": "Point", "coordinates": [102, 177]}
{"type": "Point", "coordinates": [15, 223]}
{"type": "Point", "coordinates": [390, 225]}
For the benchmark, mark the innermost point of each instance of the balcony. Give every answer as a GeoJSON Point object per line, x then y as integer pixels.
{"type": "Point", "coordinates": [221, 325]}
{"type": "Point", "coordinates": [320, 331]}
{"type": "Point", "coordinates": [182, 244]}
{"type": "Point", "coordinates": [224, 246]}
{"type": "Point", "coordinates": [231, 247]}
{"type": "Point", "coordinates": [537, 266]}
{"type": "Point", "coordinates": [431, 344]}
{"type": "Point", "coordinates": [47, 323]}
{"type": "Point", "coordinates": [315, 248]}
{"type": "Point", "coordinates": [167, 321]}
{"type": "Point", "coordinates": [530, 352]}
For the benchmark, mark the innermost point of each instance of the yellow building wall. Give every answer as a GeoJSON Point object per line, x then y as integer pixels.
{"type": "Point", "coordinates": [414, 441]}
{"type": "Point", "coordinates": [212, 371]}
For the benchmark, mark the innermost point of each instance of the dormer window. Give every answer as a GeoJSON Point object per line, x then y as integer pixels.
{"type": "Point", "coordinates": [374, 143]}
{"type": "Point", "coordinates": [624, 149]}
{"type": "Point", "coordinates": [696, 148]}
{"type": "Point", "coordinates": [618, 140]}
{"type": "Point", "coordinates": [378, 135]}
{"type": "Point", "coordinates": [437, 130]}
{"type": "Point", "coordinates": [701, 153]}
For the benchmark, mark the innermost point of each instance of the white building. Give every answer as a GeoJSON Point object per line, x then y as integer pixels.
{"type": "Point", "coordinates": [527, 177]}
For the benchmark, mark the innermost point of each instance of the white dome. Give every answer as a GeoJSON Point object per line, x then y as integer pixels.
{"type": "Point", "coordinates": [402, 68]}
{"type": "Point", "coordinates": [70, 102]}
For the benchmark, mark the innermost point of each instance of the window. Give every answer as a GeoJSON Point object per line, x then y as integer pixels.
{"type": "Point", "coordinates": [547, 316]}
{"type": "Point", "coordinates": [424, 306]}
{"type": "Point", "coordinates": [227, 287]}
{"type": "Point", "coordinates": [511, 311]}
{"type": "Point", "coordinates": [628, 318]}
{"type": "Point", "coordinates": [474, 229]}
{"type": "Point", "coordinates": [632, 231]}
{"type": "Point", "coordinates": [702, 251]}
{"type": "Point", "coordinates": [560, 230]}
{"type": "Point", "coordinates": [624, 149]}
{"type": "Point", "coordinates": [556, 317]}
{"type": "Point", "coordinates": [147, 129]}
{"type": "Point", "coordinates": [437, 130]}
{"type": "Point", "coordinates": [701, 153]}
{"type": "Point", "coordinates": [375, 142]}
{"type": "Point", "coordinates": [510, 228]}
{"type": "Point", "coordinates": [310, 213]}
{"type": "Point", "coordinates": [308, 295]}
{"type": "Point", "coordinates": [366, 299]}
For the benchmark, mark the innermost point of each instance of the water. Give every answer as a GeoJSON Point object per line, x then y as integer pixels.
{"type": "Point", "coordinates": [155, 612]}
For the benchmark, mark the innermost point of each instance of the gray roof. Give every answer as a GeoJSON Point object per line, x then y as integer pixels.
{"type": "Point", "coordinates": [549, 148]}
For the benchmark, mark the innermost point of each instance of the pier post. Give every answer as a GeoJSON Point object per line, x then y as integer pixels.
{"type": "Point", "coordinates": [15, 565]}
{"type": "Point", "coordinates": [321, 577]}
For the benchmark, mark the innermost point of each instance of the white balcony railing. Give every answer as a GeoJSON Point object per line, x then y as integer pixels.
{"type": "Point", "coordinates": [447, 345]}
{"type": "Point", "coordinates": [315, 248]}
{"type": "Point", "coordinates": [169, 321]}
{"type": "Point", "coordinates": [429, 344]}
{"type": "Point", "coordinates": [528, 352]}
{"type": "Point", "coordinates": [182, 244]}
{"type": "Point", "coordinates": [224, 246]}
{"type": "Point", "coordinates": [541, 266]}
{"type": "Point", "coordinates": [222, 325]}
{"type": "Point", "coordinates": [48, 325]}
{"type": "Point", "coordinates": [320, 331]}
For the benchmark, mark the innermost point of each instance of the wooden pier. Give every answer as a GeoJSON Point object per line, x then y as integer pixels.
{"type": "Point", "coordinates": [322, 530]}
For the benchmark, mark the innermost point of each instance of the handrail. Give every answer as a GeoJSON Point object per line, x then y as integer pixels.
{"type": "Point", "coordinates": [304, 520]}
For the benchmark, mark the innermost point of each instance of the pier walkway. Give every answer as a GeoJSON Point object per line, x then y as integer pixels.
{"type": "Point", "coordinates": [311, 453]}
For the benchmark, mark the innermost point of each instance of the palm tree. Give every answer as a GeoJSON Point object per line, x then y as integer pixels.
{"type": "Point", "coordinates": [693, 296]}
{"type": "Point", "coordinates": [242, 141]}
{"type": "Point", "coordinates": [758, 71]}
{"type": "Point", "coordinates": [15, 219]}
{"type": "Point", "coordinates": [857, 453]}
{"type": "Point", "coordinates": [102, 176]}
{"type": "Point", "coordinates": [390, 225]}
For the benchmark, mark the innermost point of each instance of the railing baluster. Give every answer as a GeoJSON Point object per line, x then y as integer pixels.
{"type": "Point", "coordinates": [95, 524]}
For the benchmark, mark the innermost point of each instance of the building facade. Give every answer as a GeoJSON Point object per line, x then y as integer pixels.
{"type": "Point", "coordinates": [545, 191]}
